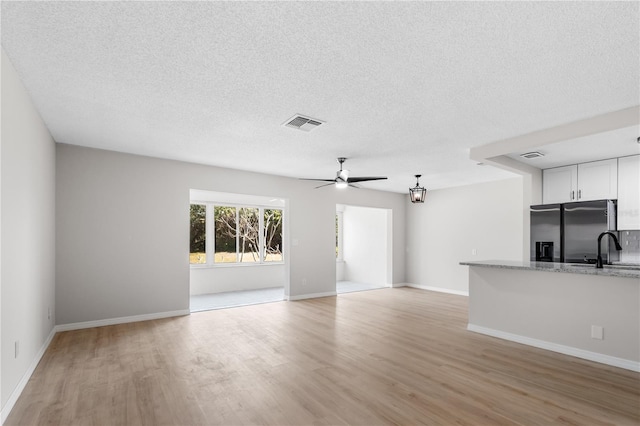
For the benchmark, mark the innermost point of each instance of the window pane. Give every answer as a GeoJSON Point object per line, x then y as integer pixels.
{"type": "Point", "coordinates": [225, 230]}
{"type": "Point", "coordinates": [273, 235]}
{"type": "Point", "coordinates": [249, 234]}
{"type": "Point", "coordinates": [198, 238]}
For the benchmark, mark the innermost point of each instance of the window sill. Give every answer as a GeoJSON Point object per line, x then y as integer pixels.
{"type": "Point", "coordinates": [233, 265]}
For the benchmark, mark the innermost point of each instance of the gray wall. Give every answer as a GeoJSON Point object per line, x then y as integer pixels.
{"type": "Point", "coordinates": [442, 232]}
{"type": "Point", "coordinates": [559, 308]}
{"type": "Point", "coordinates": [28, 232]}
{"type": "Point", "coordinates": [122, 231]}
{"type": "Point", "coordinates": [208, 280]}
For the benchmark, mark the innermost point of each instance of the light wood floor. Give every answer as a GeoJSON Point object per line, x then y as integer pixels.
{"type": "Point", "coordinates": [391, 356]}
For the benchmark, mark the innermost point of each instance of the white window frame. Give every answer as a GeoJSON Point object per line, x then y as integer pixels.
{"type": "Point", "coordinates": [210, 235]}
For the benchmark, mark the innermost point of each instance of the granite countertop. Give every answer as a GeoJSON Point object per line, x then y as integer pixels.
{"type": "Point", "coordinates": [571, 268]}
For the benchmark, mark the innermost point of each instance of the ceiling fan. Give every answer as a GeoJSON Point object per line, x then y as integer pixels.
{"type": "Point", "coordinates": [342, 179]}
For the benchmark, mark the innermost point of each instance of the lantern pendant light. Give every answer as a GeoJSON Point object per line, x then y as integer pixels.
{"type": "Point", "coordinates": [417, 193]}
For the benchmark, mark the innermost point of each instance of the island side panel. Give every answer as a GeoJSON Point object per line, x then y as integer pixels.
{"type": "Point", "coordinates": [558, 308]}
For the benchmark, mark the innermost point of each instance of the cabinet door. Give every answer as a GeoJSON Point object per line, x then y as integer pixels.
{"type": "Point", "coordinates": [559, 185]}
{"type": "Point", "coordinates": [629, 193]}
{"type": "Point", "coordinates": [598, 180]}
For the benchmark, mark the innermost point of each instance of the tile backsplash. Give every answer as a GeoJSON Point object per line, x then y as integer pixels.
{"type": "Point", "coordinates": [630, 242]}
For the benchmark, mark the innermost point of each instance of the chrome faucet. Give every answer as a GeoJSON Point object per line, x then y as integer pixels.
{"type": "Point", "coordinates": [615, 241]}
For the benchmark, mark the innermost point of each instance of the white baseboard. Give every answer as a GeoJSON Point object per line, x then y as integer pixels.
{"type": "Point", "coordinates": [439, 289]}
{"type": "Point", "coordinates": [13, 398]}
{"type": "Point", "coordinates": [313, 295]}
{"type": "Point", "coordinates": [566, 350]}
{"type": "Point", "coordinates": [397, 285]}
{"type": "Point", "coordinates": [120, 320]}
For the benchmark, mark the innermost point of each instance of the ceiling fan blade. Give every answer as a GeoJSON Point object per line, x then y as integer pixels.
{"type": "Point", "coordinates": [364, 179]}
{"type": "Point", "coordinates": [319, 180]}
{"type": "Point", "coordinates": [326, 184]}
{"type": "Point", "coordinates": [354, 186]}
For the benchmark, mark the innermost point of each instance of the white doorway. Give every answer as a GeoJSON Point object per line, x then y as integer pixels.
{"type": "Point", "coordinates": [239, 253]}
{"type": "Point", "coordinates": [363, 248]}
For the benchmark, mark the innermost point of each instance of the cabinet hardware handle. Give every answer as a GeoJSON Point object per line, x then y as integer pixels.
{"type": "Point", "coordinates": [573, 193]}
{"type": "Point", "coordinates": [579, 193]}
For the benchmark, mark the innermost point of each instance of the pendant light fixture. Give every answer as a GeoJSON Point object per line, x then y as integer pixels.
{"type": "Point", "coordinates": [417, 193]}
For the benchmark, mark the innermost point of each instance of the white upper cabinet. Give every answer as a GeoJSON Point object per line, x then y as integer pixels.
{"type": "Point", "coordinates": [629, 193]}
{"type": "Point", "coordinates": [597, 180]}
{"type": "Point", "coordinates": [559, 185]}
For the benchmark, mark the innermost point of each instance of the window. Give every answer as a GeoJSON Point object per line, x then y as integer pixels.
{"type": "Point", "coordinates": [272, 229]}
{"type": "Point", "coordinates": [198, 234]}
{"type": "Point", "coordinates": [247, 234]}
{"type": "Point", "coordinates": [225, 220]}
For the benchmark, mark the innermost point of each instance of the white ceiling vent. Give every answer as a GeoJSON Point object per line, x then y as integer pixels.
{"type": "Point", "coordinates": [303, 123]}
{"type": "Point", "coordinates": [530, 155]}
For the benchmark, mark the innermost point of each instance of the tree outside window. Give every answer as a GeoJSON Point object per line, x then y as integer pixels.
{"type": "Point", "coordinates": [240, 234]}
{"type": "Point", "coordinates": [273, 235]}
{"type": "Point", "coordinates": [225, 221]}
{"type": "Point", "coordinates": [198, 234]}
{"type": "Point", "coordinates": [249, 234]}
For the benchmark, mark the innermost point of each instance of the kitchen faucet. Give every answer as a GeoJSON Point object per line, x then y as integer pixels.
{"type": "Point", "coordinates": [615, 241]}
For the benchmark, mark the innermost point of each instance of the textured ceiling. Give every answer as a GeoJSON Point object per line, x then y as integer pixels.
{"type": "Point", "coordinates": [403, 88]}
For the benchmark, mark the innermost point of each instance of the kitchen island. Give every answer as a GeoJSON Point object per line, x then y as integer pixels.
{"type": "Point", "coordinates": [576, 310]}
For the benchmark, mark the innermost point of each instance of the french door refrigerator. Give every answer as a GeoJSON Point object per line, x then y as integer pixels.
{"type": "Point", "coordinates": [583, 223]}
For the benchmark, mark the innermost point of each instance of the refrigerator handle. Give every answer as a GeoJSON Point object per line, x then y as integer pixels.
{"type": "Point", "coordinates": [611, 213]}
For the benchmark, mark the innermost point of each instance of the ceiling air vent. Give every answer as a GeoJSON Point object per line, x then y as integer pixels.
{"type": "Point", "coordinates": [530, 155]}
{"type": "Point", "coordinates": [303, 123]}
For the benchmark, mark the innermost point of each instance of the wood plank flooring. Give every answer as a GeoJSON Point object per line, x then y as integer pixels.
{"type": "Point", "coordinates": [390, 356]}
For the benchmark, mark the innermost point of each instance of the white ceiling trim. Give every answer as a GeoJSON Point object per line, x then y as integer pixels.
{"type": "Point", "coordinates": [533, 141]}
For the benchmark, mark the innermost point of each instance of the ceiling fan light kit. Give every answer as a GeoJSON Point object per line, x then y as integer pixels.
{"type": "Point", "coordinates": [417, 193]}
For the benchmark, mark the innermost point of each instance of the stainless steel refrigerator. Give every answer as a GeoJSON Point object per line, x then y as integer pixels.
{"type": "Point", "coordinates": [583, 223]}
{"type": "Point", "coordinates": [546, 233]}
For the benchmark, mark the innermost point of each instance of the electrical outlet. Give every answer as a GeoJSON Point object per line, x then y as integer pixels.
{"type": "Point", "coordinates": [474, 252]}
{"type": "Point", "coordinates": [17, 348]}
{"type": "Point", "coordinates": [597, 332]}
{"type": "Point", "coordinates": [304, 281]}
